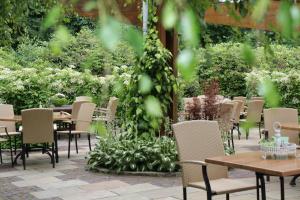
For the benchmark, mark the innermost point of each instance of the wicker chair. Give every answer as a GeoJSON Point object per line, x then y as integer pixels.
{"type": "Point", "coordinates": [107, 114]}
{"type": "Point", "coordinates": [82, 124]}
{"type": "Point", "coordinates": [196, 141]}
{"type": "Point", "coordinates": [225, 120]}
{"type": "Point", "coordinates": [257, 98]}
{"type": "Point", "coordinates": [254, 115]}
{"type": "Point", "coordinates": [8, 129]}
{"type": "Point", "coordinates": [237, 114]}
{"type": "Point", "coordinates": [4, 140]}
{"type": "Point", "coordinates": [83, 98]}
{"type": "Point", "coordinates": [38, 129]}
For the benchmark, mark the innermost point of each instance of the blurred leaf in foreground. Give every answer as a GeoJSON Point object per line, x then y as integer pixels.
{"type": "Point", "coordinates": [169, 16]}
{"type": "Point", "coordinates": [190, 28]}
{"type": "Point", "coordinates": [145, 84]}
{"type": "Point", "coordinates": [110, 33]}
{"type": "Point", "coordinates": [53, 17]}
{"type": "Point", "coordinates": [186, 63]}
{"type": "Point", "coordinates": [134, 37]}
{"type": "Point", "coordinates": [153, 107]}
{"type": "Point", "coordinates": [61, 39]}
{"type": "Point", "coordinates": [247, 54]}
{"type": "Point", "coordinates": [270, 93]}
{"type": "Point", "coordinates": [260, 9]}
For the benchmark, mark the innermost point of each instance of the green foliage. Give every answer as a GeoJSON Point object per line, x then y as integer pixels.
{"type": "Point", "coordinates": [225, 62]}
{"type": "Point", "coordinates": [143, 116]}
{"type": "Point", "coordinates": [287, 83]}
{"type": "Point", "coordinates": [121, 154]}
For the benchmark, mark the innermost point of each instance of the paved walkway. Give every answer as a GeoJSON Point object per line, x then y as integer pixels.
{"type": "Point", "coordinates": [70, 181]}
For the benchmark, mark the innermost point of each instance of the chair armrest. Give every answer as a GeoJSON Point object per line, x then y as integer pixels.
{"type": "Point", "coordinates": [65, 113]}
{"type": "Point", "coordinates": [194, 162]}
{"type": "Point", "coordinates": [5, 128]}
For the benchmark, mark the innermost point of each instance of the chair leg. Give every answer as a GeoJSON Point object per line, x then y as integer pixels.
{"type": "Point", "coordinates": [1, 161]}
{"type": "Point", "coordinates": [184, 193]}
{"type": "Point", "coordinates": [76, 143]}
{"type": "Point", "coordinates": [27, 150]}
{"type": "Point", "coordinates": [53, 156]}
{"type": "Point", "coordinates": [259, 129]}
{"type": "Point", "coordinates": [232, 141]}
{"type": "Point", "coordinates": [23, 156]}
{"type": "Point", "coordinates": [247, 133]}
{"type": "Point", "coordinates": [15, 141]}
{"type": "Point", "coordinates": [69, 145]}
{"type": "Point", "coordinates": [227, 196]}
{"type": "Point", "coordinates": [11, 152]}
{"type": "Point", "coordinates": [239, 132]}
{"type": "Point", "coordinates": [89, 139]}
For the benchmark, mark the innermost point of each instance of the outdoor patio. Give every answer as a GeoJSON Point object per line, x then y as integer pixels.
{"type": "Point", "coordinates": [69, 180]}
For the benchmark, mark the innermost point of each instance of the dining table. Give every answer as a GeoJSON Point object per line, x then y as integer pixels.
{"type": "Point", "coordinates": [253, 161]}
{"type": "Point", "coordinates": [57, 117]}
{"type": "Point", "coordinates": [290, 126]}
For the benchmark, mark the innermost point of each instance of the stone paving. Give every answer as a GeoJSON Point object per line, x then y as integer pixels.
{"type": "Point", "coordinates": [69, 180]}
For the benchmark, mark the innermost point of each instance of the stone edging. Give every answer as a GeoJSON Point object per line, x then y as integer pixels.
{"type": "Point", "coordinates": [153, 174]}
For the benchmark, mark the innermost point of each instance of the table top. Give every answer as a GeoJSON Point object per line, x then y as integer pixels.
{"type": "Point", "coordinates": [290, 126]}
{"type": "Point", "coordinates": [253, 161]}
{"type": "Point", "coordinates": [56, 117]}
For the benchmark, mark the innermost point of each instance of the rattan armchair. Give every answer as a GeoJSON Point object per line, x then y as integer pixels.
{"type": "Point", "coordinates": [237, 114]}
{"type": "Point", "coordinates": [225, 120]}
{"type": "Point", "coordinates": [107, 114]}
{"type": "Point", "coordinates": [83, 98]}
{"type": "Point", "coordinates": [38, 129]}
{"type": "Point", "coordinates": [196, 141]}
{"type": "Point", "coordinates": [82, 124]}
{"type": "Point", "coordinates": [8, 129]}
{"type": "Point", "coordinates": [254, 115]}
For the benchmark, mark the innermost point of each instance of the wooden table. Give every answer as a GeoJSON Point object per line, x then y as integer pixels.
{"type": "Point", "coordinates": [253, 161]}
{"type": "Point", "coordinates": [56, 117]}
{"type": "Point", "coordinates": [290, 126]}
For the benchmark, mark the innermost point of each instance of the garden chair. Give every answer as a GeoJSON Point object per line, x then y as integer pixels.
{"type": "Point", "coordinates": [257, 98]}
{"type": "Point", "coordinates": [240, 98]}
{"type": "Point", "coordinates": [282, 115]}
{"type": "Point", "coordinates": [236, 116]}
{"type": "Point", "coordinates": [107, 114]}
{"type": "Point", "coordinates": [253, 115]}
{"type": "Point", "coordinates": [83, 98]}
{"type": "Point", "coordinates": [82, 125]}
{"type": "Point", "coordinates": [2, 140]}
{"type": "Point", "coordinates": [225, 120]}
{"type": "Point", "coordinates": [196, 141]}
{"type": "Point", "coordinates": [8, 128]}
{"type": "Point", "coordinates": [38, 129]}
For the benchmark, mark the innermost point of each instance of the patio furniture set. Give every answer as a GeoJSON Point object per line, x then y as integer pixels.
{"type": "Point", "coordinates": [202, 156]}
{"type": "Point", "coordinates": [40, 128]}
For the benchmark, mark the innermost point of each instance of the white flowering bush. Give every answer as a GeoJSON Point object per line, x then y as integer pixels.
{"type": "Point", "coordinates": [287, 83]}
{"type": "Point", "coordinates": [30, 87]}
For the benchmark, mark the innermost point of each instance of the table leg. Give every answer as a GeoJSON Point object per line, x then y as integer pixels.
{"type": "Point", "coordinates": [262, 185]}
{"type": "Point", "coordinates": [56, 147]}
{"type": "Point", "coordinates": [257, 187]}
{"type": "Point", "coordinates": [282, 187]}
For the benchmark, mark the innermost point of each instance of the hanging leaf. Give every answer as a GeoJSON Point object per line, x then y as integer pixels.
{"type": "Point", "coordinates": [110, 33]}
{"type": "Point", "coordinates": [285, 20]}
{"type": "Point", "coordinates": [270, 93]}
{"type": "Point", "coordinates": [134, 37]}
{"type": "Point", "coordinates": [169, 15]}
{"type": "Point", "coordinates": [53, 17]}
{"type": "Point", "coordinates": [153, 107]}
{"type": "Point", "coordinates": [190, 28]}
{"type": "Point", "coordinates": [260, 9]}
{"type": "Point", "coordinates": [247, 54]}
{"type": "Point", "coordinates": [186, 63]}
{"type": "Point", "coordinates": [145, 84]}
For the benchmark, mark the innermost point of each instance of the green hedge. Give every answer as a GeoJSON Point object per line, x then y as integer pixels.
{"type": "Point", "coordinates": [287, 83]}
{"type": "Point", "coordinates": [225, 62]}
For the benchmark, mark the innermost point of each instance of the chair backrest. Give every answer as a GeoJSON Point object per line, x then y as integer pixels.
{"type": "Point", "coordinates": [7, 111]}
{"type": "Point", "coordinates": [225, 116]}
{"type": "Point", "coordinates": [84, 98]}
{"type": "Point", "coordinates": [75, 108]}
{"type": "Point", "coordinates": [37, 126]}
{"type": "Point", "coordinates": [198, 140]}
{"type": "Point", "coordinates": [257, 98]}
{"type": "Point", "coordinates": [282, 115]}
{"type": "Point", "coordinates": [254, 111]}
{"type": "Point", "coordinates": [237, 112]}
{"type": "Point", "coordinates": [240, 98]}
{"type": "Point", "coordinates": [112, 108]}
{"type": "Point", "coordinates": [84, 117]}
